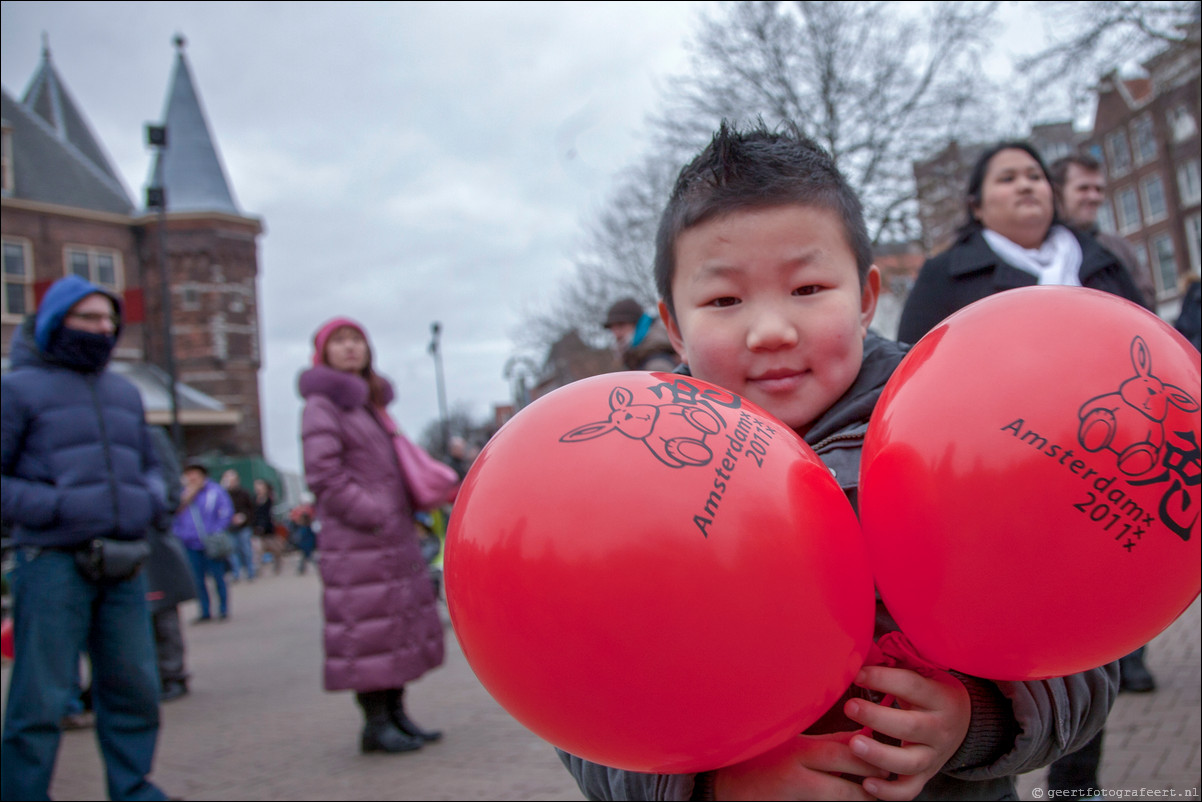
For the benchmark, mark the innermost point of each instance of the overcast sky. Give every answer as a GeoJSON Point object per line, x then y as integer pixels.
{"type": "Point", "coordinates": [411, 162]}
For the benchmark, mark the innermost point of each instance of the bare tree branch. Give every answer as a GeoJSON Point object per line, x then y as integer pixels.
{"type": "Point", "coordinates": [878, 84]}
{"type": "Point", "coordinates": [1091, 39]}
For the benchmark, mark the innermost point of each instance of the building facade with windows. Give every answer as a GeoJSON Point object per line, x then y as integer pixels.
{"type": "Point", "coordinates": [1146, 134]}
{"type": "Point", "coordinates": [66, 211]}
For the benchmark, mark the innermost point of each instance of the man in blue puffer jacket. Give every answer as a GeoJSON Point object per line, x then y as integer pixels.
{"type": "Point", "coordinates": [78, 465]}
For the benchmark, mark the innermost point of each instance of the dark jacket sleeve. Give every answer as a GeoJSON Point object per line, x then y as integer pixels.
{"type": "Point", "coordinates": [599, 782]}
{"type": "Point", "coordinates": [930, 300]}
{"type": "Point", "coordinates": [23, 502]}
{"type": "Point", "coordinates": [156, 482]}
{"type": "Point", "coordinates": [1055, 717]}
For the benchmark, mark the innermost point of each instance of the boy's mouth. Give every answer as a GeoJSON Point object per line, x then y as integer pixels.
{"type": "Point", "coordinates": [778, 381]}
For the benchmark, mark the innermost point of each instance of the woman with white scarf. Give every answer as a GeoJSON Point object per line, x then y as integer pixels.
{"type": "Point", "coordinates": [1012, 239]}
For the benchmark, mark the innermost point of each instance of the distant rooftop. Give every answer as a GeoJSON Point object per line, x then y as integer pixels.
{"type": "Point", "coordinates": [56, 158]}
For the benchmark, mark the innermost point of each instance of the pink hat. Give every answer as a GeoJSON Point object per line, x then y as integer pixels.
{"type": "Point", "coordinates": [327, 329]}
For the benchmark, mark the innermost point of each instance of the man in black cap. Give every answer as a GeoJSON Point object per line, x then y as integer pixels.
{"type": "Point", "coordinates": [640, 339]}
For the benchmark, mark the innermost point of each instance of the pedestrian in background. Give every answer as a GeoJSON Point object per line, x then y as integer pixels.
{"type": "Point", "coordinates": [303, 535]}
{"type": "Point", "coordinates": [1080, 187]}
{"type": "Point", "coordinates": [169, 581]}
{"type": "Point", "coordinates": [640, 339]}
{"type": "Point", "coordinates": [270, 543]}
{"type": "Point", "coordinates": [382, 628]}
{"type": "Point", "coordinates": [205, 508]}
{"type": "Point", "coordinates": [81, 488]}
{"type": "Point", "coordinates": [242, 561]}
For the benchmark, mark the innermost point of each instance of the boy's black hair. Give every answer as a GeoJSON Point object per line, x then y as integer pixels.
{"type": "Point", "coordinates": [976, 180]}
{"type": "Point", "coordinates": [755, 169]}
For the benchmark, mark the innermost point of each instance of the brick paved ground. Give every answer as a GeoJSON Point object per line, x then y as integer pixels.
{"type": "Point", "coordinates": [257, 725]}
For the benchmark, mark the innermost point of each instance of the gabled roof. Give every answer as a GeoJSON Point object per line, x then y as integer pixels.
{"type": "Point", "coordinates": [47, 97]}
{"type": "Point", "coordinates": [48, 168]}
{"type": "Point", "coordinates": [189, 168]}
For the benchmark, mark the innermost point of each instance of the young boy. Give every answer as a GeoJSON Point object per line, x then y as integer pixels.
{"type": "Point", "coordinates": [765, 272]}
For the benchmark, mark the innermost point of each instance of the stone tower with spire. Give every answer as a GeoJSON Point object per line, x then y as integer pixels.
{"type": "Point", "coordinates": [212, 268]}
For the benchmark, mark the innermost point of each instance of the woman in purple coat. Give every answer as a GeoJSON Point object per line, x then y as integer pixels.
{"type": "Point", "coordinates": [382, 627]}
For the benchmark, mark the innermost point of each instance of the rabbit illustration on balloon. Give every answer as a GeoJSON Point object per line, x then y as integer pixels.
{"type": "Point", "coordinates": [1131, 422]}
{"type": "Point", "coordinates": [675, 433]}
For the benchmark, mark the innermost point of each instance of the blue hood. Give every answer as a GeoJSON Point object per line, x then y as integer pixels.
{"type": "Point", "coordinates": [58, 300]}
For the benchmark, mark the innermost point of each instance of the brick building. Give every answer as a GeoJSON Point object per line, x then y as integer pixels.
{"type": "Point", "coordinates": [1146, 134]}
{"type": "Point", "coordinates": [66, 210]}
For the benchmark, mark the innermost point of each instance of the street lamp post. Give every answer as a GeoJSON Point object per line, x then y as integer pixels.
{"type": "Point", "coordinates": [436, 352]}
{"type": "Point", "coordinates": [156, 198]}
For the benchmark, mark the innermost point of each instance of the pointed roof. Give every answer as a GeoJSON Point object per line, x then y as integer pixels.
{"type": "Point", "coordinates": [189, 167]}
{"type": "Point", "coordinates": [50, 169]}
{"type": "Point", "coordinates": [48, 98]}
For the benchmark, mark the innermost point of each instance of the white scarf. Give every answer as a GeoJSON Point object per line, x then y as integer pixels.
{"type": "Point", "coordinates": [1056, 261]}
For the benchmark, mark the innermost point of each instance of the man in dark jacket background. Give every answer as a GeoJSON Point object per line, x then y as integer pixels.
{"type": "Point", "coordinates": [79, 469]}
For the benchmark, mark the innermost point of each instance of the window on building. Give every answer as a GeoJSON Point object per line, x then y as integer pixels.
{"type": "Point", "coordinates": [190, 298]}
{"type": "Point", "coordinates": [1189, 187]}
{"type": "Point", "coordinates": [1105, 218]}
{"type": "Point", "coordinates": [1118, 153]}
{"type": "Point", "coordinates": [1143, 136]}
{"type": "Point", "coordinates": [98, 265]}
{"type": "Point", "coordinates": [1141, 254]}
{"type": "Point", "coordinates": [1053, 151]}
{"type": "Point", "coordinates": [1181, 122]}
{"type": "Point", "coordinates": [1193, 240]}
{"type": "Point", "coordinates": [18, 280]}
{"type": "Point", "coordinates": [1128, 210]}
{"type": "Point", "coordinates": [1164, 262]}
{"type": "Point", "coordinates": [1155, 205]}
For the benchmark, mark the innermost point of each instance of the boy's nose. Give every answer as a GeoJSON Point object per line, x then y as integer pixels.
{"type": "Point", "coordinates": [771, 329]}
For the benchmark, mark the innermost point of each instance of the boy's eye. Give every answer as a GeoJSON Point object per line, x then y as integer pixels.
{"type": "Point", "coordinates": [808, 289]}
{"type": "Point", "coordinates": [723, 301]}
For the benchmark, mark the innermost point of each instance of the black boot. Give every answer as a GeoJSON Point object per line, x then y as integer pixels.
{"type": "Point", "coordinates": [396, 704]}
{"type": "Point", "coordinates": [379, 732]}
{"type": "Point", "coordinates": [1134, 676]}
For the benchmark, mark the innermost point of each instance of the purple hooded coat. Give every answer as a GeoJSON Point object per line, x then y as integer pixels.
{"type": "Point", "coordinates": [382, 627]}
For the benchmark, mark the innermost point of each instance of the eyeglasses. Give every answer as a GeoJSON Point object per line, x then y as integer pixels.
{"type": "Point", "coordinates": [95, 317]}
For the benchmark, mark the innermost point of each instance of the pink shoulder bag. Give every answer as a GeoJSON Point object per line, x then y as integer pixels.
{"type": "Point", "coordinates": [430, 483]}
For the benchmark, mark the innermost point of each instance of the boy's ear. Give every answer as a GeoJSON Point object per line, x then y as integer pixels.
{"type": "Point", "coordinates": [869, 296]}
{"type": "Point", "coordinates": [673, 332]}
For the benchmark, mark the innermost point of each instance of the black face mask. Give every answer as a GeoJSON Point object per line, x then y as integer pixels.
{"type": "Point", "coordinates": [81, 350]}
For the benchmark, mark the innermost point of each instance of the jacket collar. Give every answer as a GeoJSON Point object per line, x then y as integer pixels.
{"type": "Point", "coordinates": [974, 254]}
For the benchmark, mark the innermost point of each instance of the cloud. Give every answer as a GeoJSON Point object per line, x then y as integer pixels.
{"type": "Point", "coordinates": [411, 162]}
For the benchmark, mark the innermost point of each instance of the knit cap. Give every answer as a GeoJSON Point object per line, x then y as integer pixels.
{"type": "Point", "coordinates": [327, 329]}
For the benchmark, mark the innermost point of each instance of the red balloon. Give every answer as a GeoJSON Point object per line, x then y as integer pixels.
{"type": "Point", "coordinates": [656, 575]}
{"type": "Point", "coordinates": [1030, 484]}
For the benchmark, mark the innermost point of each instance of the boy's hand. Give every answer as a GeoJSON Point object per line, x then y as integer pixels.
{"type": "Point", "coordinates": [804, 767]}
{"type": "Point", "coordinates": [931, 725]}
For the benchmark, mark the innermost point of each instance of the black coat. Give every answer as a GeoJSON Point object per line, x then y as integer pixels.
{"type": "Point", "coordinates": [168, 572]}
{"type": "Point", "coordinates": [970, 270]}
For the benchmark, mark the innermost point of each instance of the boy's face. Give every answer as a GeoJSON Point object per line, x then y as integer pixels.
{"type": "Point", "coordinates": [769, 305]}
